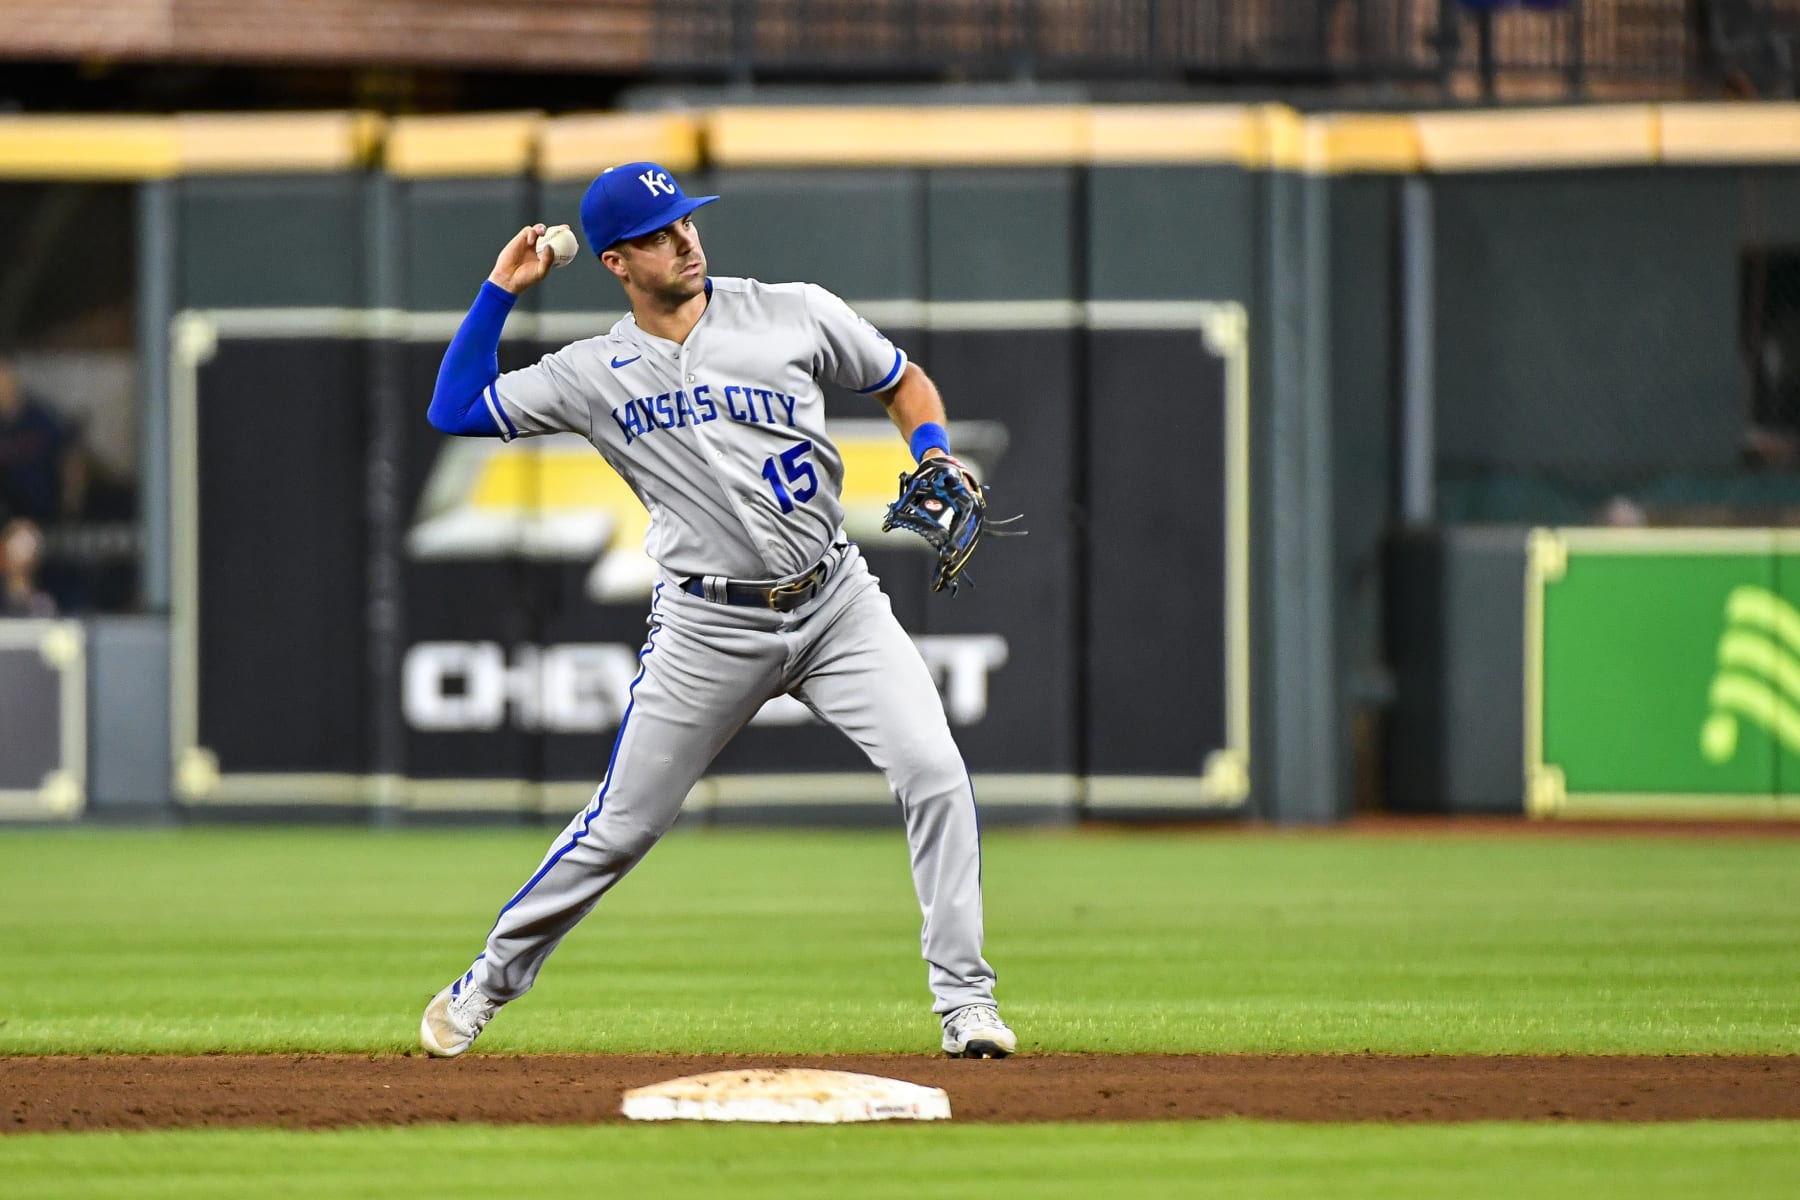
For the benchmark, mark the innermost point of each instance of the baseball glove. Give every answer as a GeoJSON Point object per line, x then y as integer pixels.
{"type": "Point", "coordinates": [941, 502]}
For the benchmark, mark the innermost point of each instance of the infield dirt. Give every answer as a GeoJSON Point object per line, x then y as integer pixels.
{"type": "Point", "coordinates": [43, 1094]}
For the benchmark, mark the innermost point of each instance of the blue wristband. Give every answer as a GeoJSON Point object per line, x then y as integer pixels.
{"type": "Point", "coordinates": [929, 436]}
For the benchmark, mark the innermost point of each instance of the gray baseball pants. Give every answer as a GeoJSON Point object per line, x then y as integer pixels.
{"type": "Point", "coordinates": [705, 670]}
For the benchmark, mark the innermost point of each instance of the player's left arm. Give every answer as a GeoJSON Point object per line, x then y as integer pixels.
{"type": "Point", "coordinates": [916, 408]}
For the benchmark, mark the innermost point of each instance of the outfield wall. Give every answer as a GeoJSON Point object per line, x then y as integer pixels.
{"type": "Point", "coordinates": [1018, 253]}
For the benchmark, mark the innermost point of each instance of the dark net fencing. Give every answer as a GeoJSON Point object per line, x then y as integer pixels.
{"type": "Point", "coordinates": [1555, 48]}
{"type": "Point", "coordinates": [1769, 325]}
{"type": "Point", "coordinates": [1619, 347]}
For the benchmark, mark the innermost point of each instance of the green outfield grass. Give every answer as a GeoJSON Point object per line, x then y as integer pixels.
{"type": "Point", "coordinates": [219, 939]}
{"type": "Point", "coordinates": [1218, 1160]}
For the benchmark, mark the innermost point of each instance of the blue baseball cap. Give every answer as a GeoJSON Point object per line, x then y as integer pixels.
{"type": "Point", "coordinates": [632, 200]}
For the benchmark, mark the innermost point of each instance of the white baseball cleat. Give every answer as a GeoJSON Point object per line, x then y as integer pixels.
{"type": "Point", "coordinates": [976, 1031]}
{"type": "Point", "coordinates": [455, 1018]}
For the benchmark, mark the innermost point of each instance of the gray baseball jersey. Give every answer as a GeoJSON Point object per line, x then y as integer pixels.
{"type": "Point", "coordinates": [723, 439]}
{"type": "Point", "coordinates": [721, 436]}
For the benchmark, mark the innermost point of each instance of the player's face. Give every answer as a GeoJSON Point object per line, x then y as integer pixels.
{"type": "Point", "coordinates": [668, 264]}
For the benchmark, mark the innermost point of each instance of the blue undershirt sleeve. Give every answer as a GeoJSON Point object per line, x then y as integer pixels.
{"type": "Point", "coordinates": [461, 403]}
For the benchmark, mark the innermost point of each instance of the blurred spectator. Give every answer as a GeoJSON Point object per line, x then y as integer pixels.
{"type": "Point", "coordinates": [21, 550]}
{"type": "Point", "coordinates": [1622, 512]}
{"type": "Point", "coordinates": [1766, 447]}
{"type": "Point", "coordinates": [42, 475]}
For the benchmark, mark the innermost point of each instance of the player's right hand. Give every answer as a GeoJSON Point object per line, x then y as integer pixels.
{"type": "Point", "coordinates": [521, 264]}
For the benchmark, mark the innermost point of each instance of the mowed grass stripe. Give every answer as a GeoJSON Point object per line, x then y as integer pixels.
{"type": "Point", "coordinates": [1223, 1160]}
{"type": "Point", "coordinates": [332, 939]}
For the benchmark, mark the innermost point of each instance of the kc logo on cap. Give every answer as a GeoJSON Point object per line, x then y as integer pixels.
{"type": "Point", "coordinates": [631, 200]}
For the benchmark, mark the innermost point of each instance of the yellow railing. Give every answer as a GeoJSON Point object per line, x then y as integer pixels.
{"type": "Point", "coordinates": [1254, 137]}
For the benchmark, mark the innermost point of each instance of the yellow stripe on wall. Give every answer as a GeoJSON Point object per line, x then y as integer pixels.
{"type": "Point", "coordinates": [41, 147]}
{"type": "Point", "coordinates": [479, 144]}
{"type": "Point", "coordinates": [1039, 135]}
{"type": "Point", "coordinates": [1511, 139]}
{"type": "Point", "coordinates": [1173, 133]}
{"type": "Point", "coordinates": [1285, 140]}
{"type": "Point", "coordinates": [1378, 143]}
{"type": "Point", "coordinates": [1730, 133]}
{"type": "Point", "coordinates": [257, 143]}
{"type": "Point", "coordinates": [1251, 137]}
{"type": "Point", "coordinates": [1255, 137]}
{"type": "Point", "coordinates": [582, 147]}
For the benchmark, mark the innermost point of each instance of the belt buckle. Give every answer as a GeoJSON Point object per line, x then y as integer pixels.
{"type": "Point", "coordinates": [794, 588]}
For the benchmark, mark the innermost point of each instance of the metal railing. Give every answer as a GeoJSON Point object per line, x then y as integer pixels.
{"type": "Point", "coordinates": [1573, 48]}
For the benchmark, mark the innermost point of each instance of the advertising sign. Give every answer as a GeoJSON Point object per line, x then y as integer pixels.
{"type": "Point", "coordinates": [368, 611]}
{"type": "Point", "coordinates": [1663, 673]}
{"type": "Point", "coordinates": [43, 719]}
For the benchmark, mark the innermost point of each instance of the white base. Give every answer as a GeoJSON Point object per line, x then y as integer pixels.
{"type": "Point", "coordinates": [787, 1096]}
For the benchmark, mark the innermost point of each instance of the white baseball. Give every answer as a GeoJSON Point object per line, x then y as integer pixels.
{"type": "Point", "coordinates": [561, 241]}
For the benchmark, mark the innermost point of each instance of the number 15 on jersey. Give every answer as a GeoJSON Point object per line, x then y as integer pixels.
{"type": "Point", "coordinates": [796, 470]}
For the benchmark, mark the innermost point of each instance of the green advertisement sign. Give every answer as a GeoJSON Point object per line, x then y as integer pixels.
{"type": "Point", "coordinates": [1663, 672]}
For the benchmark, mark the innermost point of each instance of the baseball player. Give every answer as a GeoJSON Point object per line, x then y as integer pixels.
{"type": "Point", "coordinates": [706, 399]}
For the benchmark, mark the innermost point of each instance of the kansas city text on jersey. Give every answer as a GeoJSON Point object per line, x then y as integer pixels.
{"type": "Point", "coordinates": [677, 410]}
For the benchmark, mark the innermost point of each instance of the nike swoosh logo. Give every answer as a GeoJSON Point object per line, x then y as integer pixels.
{"type": "Point", "coordinates": [625, 362]}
